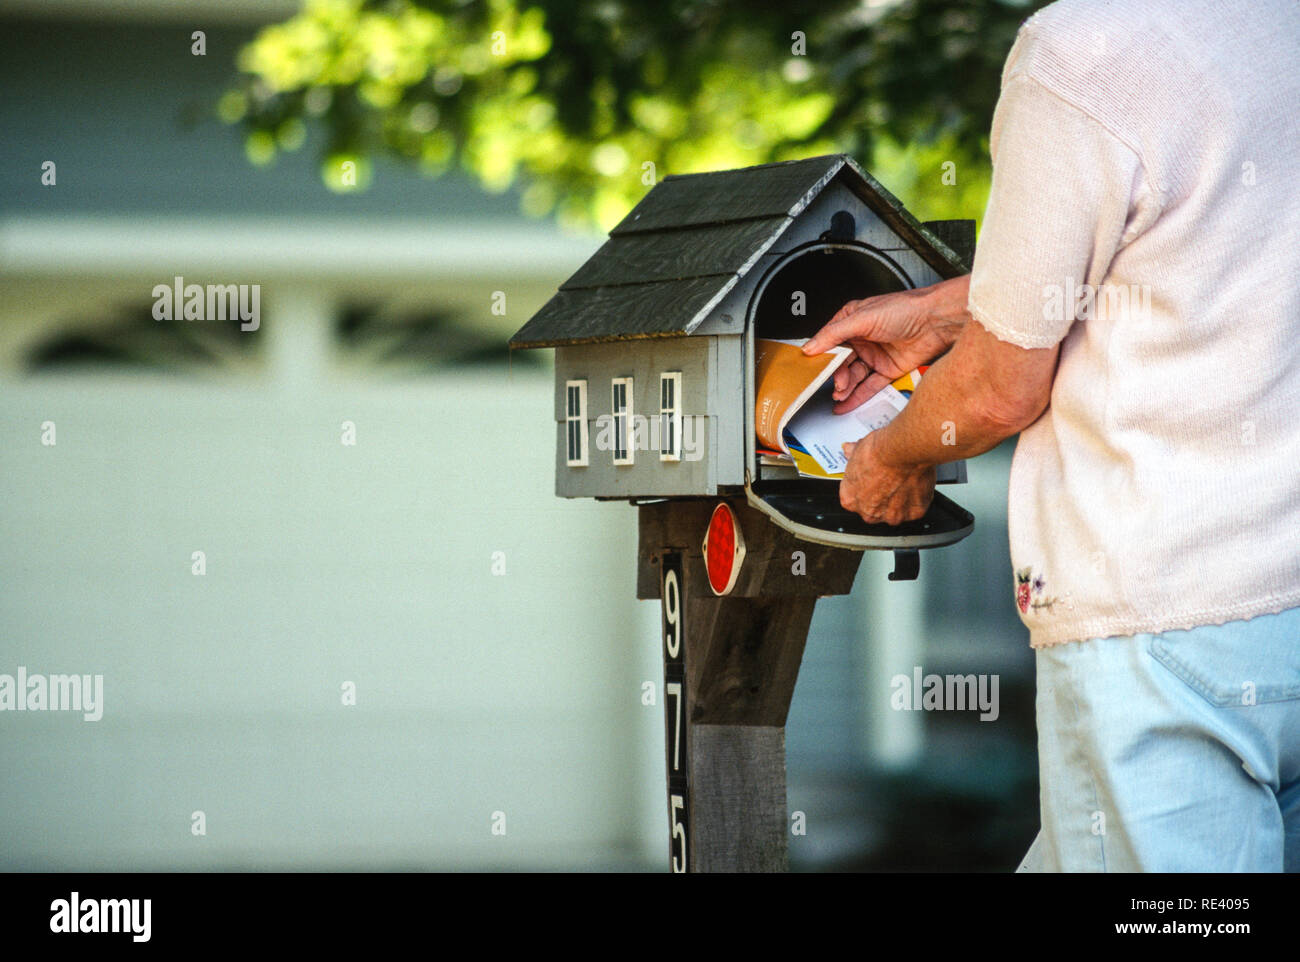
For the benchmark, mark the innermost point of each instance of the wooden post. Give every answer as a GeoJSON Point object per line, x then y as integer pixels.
{"type": "Point", "coordinates": [730, 666]}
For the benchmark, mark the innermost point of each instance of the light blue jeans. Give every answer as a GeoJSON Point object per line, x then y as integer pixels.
{"type": "Point", "coordinates": [1175, 752]}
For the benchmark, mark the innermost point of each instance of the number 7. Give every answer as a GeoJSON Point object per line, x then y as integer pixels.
{"type": "Point", "coordinates": [674, 690]}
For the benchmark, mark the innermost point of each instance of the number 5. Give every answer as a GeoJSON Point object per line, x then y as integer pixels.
{"type": "Point", "coordinates": [679, 831]}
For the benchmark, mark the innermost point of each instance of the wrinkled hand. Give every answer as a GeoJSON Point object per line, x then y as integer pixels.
{"type": "Point", "coordinates": [890, 334]}
{"type": "Point", "coordinates": [881, 493]}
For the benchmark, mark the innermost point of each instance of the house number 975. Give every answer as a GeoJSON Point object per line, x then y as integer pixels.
{"type": "Point", "coordinates": [675, 710]}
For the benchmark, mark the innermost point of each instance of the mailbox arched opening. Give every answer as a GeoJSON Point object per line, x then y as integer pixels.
{"type": "Point", "coordinates": [811, 283]}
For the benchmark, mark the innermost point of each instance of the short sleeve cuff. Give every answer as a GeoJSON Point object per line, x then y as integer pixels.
{"type": "Point", "coordinates": [1004, 332]}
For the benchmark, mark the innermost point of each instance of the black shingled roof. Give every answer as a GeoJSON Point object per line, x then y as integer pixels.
{"type": "Point", "coordinates": [674, 257]}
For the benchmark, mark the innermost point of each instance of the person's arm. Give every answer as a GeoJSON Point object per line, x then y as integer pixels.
{"type": "Point", "coordinates": [1067, 194]}
{"type": "Point", "coordinates": [978, 394]}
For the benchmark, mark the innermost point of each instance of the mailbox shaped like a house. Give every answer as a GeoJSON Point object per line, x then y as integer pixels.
{"type": "Point", "coordinates": [655, 335]}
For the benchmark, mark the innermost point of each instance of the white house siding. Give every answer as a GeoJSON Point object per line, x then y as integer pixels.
{"type": "Point", "coordinates": [477, 692]}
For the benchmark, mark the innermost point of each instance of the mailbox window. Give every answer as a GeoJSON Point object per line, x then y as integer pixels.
{"type": "Point", "coordinates": [621, 408]}
{"type": "Point", "coordinates": [670, 416]}
{"type": "Point", "coordinates": [575, 423]}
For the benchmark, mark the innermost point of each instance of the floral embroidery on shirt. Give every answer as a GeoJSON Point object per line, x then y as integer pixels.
{"type": "Point", "coordinates": [1029, 591]}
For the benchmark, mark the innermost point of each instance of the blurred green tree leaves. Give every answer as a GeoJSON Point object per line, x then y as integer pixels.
{"type": "Point", "coordinates": [582, 105]}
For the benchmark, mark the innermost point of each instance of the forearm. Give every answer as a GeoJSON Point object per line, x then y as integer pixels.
{"type": "Point", "coordinates": [973, 398]}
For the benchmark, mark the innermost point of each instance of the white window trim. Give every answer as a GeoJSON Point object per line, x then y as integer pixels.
{"type": "Point", "coordinates": [674, 414]}
{"type": "Point", "coordinates": [582, 460]}
{"type": "Point", "coordinates": [626, 414]}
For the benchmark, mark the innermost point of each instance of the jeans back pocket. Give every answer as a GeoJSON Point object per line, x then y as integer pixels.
{"type": "Point", "coordinates": [1237, 664]}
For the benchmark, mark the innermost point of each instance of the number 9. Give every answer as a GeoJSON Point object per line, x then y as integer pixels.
{"type": "Point", "coordinates": [672, 606]}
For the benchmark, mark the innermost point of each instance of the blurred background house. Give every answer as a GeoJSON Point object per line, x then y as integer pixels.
{"type": "Point", "coordinates": [488, 629]}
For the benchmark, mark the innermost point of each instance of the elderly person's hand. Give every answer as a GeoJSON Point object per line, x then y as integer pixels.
{"type": "Point", "coordinates": [891, 334]}
{"type": "Point", "coordinates": [883, 493]}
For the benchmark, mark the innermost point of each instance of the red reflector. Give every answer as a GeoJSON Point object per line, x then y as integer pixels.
{"type": "Point", "coordinates": [724, 549]}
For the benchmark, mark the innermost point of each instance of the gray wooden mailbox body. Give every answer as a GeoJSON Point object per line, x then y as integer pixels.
{"type": "Point", "coordinates": [654, 404]}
